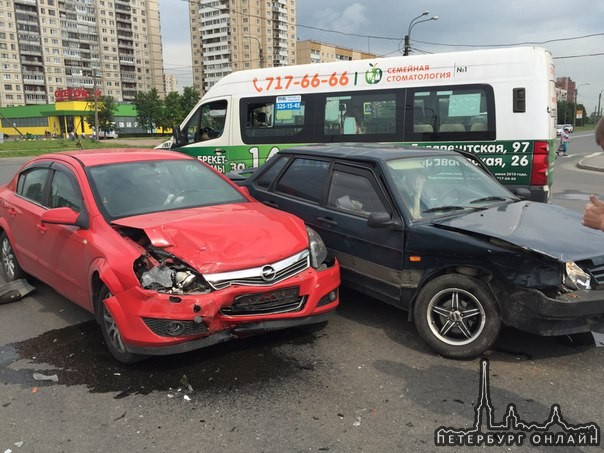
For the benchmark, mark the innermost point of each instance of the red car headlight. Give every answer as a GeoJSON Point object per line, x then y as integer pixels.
{"type": "Point", "coordinates": [170, 276]}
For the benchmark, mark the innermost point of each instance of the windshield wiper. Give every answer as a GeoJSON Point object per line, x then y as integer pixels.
{"type": "Point", "coordinates": [445, 209]}
{"type": "Point", "coordinates": [491, 198]}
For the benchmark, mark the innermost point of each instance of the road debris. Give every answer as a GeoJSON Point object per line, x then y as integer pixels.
{"type": "Point", "coordinates": [44, 377]}
{"type": "Point", "coordinates": [14, 291]}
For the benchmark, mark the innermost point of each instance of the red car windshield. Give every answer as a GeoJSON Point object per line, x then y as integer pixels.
{"type": "Point", "coordinates": [136, 188]}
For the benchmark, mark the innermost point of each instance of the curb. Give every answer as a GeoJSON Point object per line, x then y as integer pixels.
{"type": "Point", "coordinates": [583, 165]}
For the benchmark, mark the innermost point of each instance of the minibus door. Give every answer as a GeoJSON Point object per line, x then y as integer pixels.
{"type": "Point", "coordinates": [206, 134]}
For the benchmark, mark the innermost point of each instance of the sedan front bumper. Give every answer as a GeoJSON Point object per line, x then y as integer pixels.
{"type": "Point", "coordinates": [575, 312]}
{"type": "Point", "coordinates": [154, 323]}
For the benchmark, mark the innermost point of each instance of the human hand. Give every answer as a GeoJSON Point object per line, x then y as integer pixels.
{"type": "Point", "coordinates": [419, 183]}
{"type": "Point", "coordinates": [593, 217]}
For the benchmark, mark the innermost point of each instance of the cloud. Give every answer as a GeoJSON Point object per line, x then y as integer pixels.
{"type": "Point", "coordinates": [351, 20]}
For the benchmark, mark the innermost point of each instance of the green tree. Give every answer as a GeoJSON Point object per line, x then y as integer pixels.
{"type": "Point", "coordinates": [189, 99]}
{"type": "Point", "coordinates": [565, 112]}
{"type": "Point", "coordinates": [106, 110]}
{"type": "Point", "coordinates": [173, 111]}
{"type": "Point", "coordinates": [149, 109]}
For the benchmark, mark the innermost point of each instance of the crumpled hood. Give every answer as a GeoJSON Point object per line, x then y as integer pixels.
{"type": "Point", "coordinates": [549, 229]}
{"type": "Point", "coordinates": [224, 238]}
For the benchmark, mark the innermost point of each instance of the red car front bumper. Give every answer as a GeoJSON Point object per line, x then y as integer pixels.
{"type": "Point", "coordinates": [154, 323]}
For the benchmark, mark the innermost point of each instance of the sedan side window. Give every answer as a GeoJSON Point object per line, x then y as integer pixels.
{"type": "Point", "coordinates": [269, 175]}
{"type": "Point", "coordinates": [31, 184]}
{"type": "Point", "coordinates": [63, 193]}
{"type": "Point", "coordinates": [353, 193]}
{"type": "Point", "coordinates": [304, 178]}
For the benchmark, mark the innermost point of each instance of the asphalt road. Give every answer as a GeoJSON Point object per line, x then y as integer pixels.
{"type": "Point", "coordinates": [364, 382]}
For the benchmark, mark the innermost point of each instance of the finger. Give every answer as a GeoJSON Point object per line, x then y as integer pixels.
{"type": "Point", "coordinates": [595, 201]}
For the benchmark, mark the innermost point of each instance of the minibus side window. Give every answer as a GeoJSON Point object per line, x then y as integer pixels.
{"type": "Point", "coordinates": [360, 114]}
{"type": "Point", "coordinates": [274, 120]}
{"type": "Point", "coordinates": [450, 113]}
{"type": "Point", "coordinates": [206, 123]}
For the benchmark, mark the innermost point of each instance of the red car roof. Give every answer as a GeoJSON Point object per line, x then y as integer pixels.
{"type": "Point", "coordinates": [92, 157]}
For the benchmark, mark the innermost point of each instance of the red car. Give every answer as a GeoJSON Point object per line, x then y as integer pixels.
{"type": "Point", "coordinates": [167, 253]}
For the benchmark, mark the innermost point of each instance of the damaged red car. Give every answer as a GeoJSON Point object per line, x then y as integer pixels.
{"type": "Point", "coordinates": [168, 254]}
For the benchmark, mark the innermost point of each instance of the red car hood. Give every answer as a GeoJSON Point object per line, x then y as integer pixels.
{"type": "Point", "coordinates": [224, 238]}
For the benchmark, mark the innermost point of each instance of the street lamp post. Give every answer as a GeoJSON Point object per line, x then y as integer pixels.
{"type": "Point", "coordinates": [412, 24]}
{"type": "Point", "coordinates": [96, 111]}
{"type": "Point", "coordinates": [260, 54]}
{"type": "Point", "coordinates": [599, 101]}
{"type": "Point", "coordinates": [576, 95]}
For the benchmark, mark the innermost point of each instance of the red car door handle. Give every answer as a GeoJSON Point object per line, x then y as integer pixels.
{"type": "Point", "coordinates": [12, 212]}
{"type": "Point", "coordinates": [41, 228]}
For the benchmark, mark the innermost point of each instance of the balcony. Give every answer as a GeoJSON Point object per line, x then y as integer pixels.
{"type": "Point", "coordinates": [27, 19]}
{"type": "Point", "coordinates": [34, 80]}
{"type": "Point", "coordinates": [31, 62]}
{"type": "Point", "coordinates": [34, 90]}
{"type": "Point", "coordinates": [127, 61]}
{"type": "Point", "coordinates": [30, 50]}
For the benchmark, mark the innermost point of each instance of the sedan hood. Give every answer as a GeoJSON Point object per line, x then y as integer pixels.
{"type": "Point", "coordinates": [223, 238]}
{"type": "Point", "coordinates": [545, 228]}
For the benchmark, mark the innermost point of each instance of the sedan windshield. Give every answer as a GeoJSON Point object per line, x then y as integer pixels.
{"type": "Point", "coordinates": [433, 185]}
{"type": "Point", "coordinates": [135, 188]}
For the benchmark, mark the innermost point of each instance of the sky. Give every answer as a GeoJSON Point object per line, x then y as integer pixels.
{"type": "Point", "coordinates": [572, 31]}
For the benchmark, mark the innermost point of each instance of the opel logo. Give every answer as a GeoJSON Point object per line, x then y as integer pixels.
{"type": "Point", "coordinates": [268, 273]}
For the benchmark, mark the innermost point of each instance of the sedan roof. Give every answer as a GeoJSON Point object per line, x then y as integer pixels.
{"type": "Point", "coordinates": [367, 152]}
{"type": "Point", "coordinates": [93, 157]}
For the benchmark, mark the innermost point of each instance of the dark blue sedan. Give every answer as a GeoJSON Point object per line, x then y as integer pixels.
{"type": "Point", "coordinates": [434, 233]}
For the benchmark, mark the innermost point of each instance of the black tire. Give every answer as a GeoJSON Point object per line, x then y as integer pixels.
{"type": "Point", "coordinates": [457, 316]}
{"type": "Point", "coordinates": [111, 334]}
{"type": "Point", "coordinates": [11, 270]}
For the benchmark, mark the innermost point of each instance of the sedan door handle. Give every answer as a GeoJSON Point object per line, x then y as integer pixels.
{"type": "Point", "coordinates": [272, 204]}
{"type": "Point", "coordinates": [219, 151]}
{"type": "Point", "coordinates": [41, 228]}
{"type": "Point", "coordinates": [327, 221]}
{"type": "Point", "coordinates": [12, 212]}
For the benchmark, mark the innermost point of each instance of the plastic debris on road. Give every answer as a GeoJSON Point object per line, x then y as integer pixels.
{"type": "Point", "coordinates": [598, 338]}
{"type": "Point", "coordinates": [44, 377]}
{"type": "Point", "coordinates": [14, 291]}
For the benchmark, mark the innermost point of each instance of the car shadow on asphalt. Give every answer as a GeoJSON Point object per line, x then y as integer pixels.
{"type": "Point", "coordinates": [512, 345]}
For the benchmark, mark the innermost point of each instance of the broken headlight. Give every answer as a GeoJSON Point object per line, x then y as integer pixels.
{"type": "Point", "coordinates": [318, 251]}
{"type": "Point", "coordinates": [575, 277]}
{"type": "Point", "coordinates": [165, 273]}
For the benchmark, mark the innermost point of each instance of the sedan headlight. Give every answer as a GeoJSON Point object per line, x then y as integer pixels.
{"type": "Point", "coordinates": [575, 277]}
{"type": "Point", "coordinates": [318, 251]}
{"type": "Point", "coordinates": [159, 271]}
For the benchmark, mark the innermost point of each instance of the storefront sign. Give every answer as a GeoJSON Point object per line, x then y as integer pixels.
{"type": "Point", "coordinates": [75, 94]}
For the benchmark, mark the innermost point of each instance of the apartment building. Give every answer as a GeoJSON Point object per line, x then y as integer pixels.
{"type": "Point", "coordinates": [77, 46]}
{"type": "Point", "coordinates": [319, 52]}
{"type": "Point", "coordinates": [231, 35]}
{"type": "Point", "coordinates": [171, 83]}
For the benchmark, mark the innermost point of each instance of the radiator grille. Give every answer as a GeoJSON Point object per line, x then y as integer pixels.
{"type": "Point", "coordinates": [268, 274]}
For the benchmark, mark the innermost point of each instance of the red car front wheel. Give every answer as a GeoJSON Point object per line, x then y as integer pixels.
{"type": "Point", "coordinates": [111, 333]}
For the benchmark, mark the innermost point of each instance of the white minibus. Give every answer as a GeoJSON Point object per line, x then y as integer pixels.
{"type": "Point", "coordinates": [499, 104]}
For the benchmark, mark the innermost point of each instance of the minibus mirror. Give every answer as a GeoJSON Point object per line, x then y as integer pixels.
{"type": "Point", "coordinates": [177, 134]}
